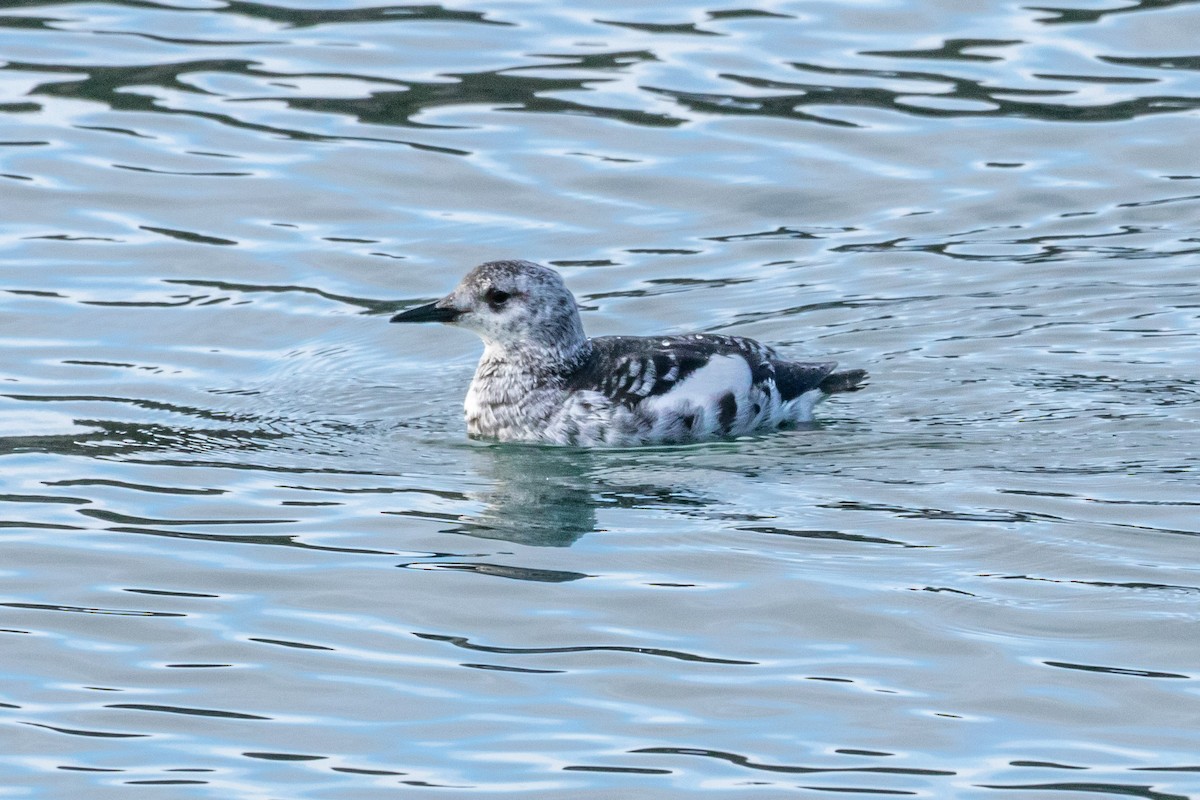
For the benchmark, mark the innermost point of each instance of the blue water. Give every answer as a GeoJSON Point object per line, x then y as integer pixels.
{"type": "Point", "coordinates": [246, 550]}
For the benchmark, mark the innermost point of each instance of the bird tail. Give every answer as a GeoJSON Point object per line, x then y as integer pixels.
{"type": "Point", "coordinates": [850, 380]}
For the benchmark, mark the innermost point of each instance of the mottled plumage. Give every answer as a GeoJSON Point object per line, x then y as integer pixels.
{"type": "Point", "coordinates": [540, 379]}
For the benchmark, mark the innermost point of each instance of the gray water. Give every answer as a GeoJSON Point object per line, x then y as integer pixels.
{"type": "Point", "coordinates": [246, 550]}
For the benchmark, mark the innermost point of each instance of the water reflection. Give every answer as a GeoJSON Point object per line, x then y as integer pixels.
{"type": "Point", "coordinates": [549, 496]}
{"type": "Point", "coordinates": [539, 496]}
{"type": "Point", "coordinates": [966, 97]}
{"type": "Point", "coordinates": [965, 83]}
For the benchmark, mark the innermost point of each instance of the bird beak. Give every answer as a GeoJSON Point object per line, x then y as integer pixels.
{"type": "Point", "coordinates": [441, 311]}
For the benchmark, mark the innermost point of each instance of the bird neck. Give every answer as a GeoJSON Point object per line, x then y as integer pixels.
{"type": "Point", "coordinates": [515, 392]}
{"type": "Point", "coordinates": [539, 358]}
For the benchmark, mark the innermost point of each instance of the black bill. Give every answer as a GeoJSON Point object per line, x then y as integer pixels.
{"type": "Point", "coordinates": [428, 313]}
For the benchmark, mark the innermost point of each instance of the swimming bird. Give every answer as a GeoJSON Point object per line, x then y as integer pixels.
{"type": "Point", "coordinates": [541, 379]}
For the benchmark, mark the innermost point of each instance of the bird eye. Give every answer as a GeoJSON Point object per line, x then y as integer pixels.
{"type": "Point", "coordinates": [496, 297]}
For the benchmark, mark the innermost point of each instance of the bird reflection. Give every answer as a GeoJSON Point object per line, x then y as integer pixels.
{"type": "Point", "coordinates": [540, 496]}
{"type": "Point", "coordinates": [548, 496]}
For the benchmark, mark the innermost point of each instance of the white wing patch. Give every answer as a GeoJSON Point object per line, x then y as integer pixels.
{"type": "Point", "coordinates": [705, 387]}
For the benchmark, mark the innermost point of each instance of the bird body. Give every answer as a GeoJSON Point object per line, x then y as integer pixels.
{"type": "Point", "coordinates": [541, 379]}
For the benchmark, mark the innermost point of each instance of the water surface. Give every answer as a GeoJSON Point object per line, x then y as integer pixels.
{"type": "Point", "coordinates": [246, 550]}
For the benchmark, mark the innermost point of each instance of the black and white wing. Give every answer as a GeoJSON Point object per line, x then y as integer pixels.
{"type": "Point", "coordinates": [630, 369]}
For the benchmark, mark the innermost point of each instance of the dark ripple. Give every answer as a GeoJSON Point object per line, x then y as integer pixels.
{"type": "Point", "coordinates": [125, 519]}
{"type": "Point", "coordinates": [1156, 62]}
{"type": "Point", "coordinates": [183, 40]}
{"type": "Point", "coordinates": [35, 498]}
{"type": "Point", "coordinates": [288, 16]}
{"type": "Point", "coordinates": [307, 18]}
{"type": "Point", "coordinates": [188, 236]}
{"type": "Point", "coordinates": [1121, 789]}
{"type": "Point", "coordinates": [862, 790]}
{"type": "Point", "coordinates": [145, 403]}
{"type": "Point", "coordinates": [284, 756]}
{"type": "Point", "coordinates": [224, 434]}
{"type": "Point", "coordinates": [617, 770]}
{"type": "Point", "coordinates": [138, 487]}
{"type": "Point", "coordinates": [1135, 586]}
{"type": "Point", "coordinates": [165, 593]}
{"type": "Point", "coordinates": [783, 232]}
{"type": "Point", "coordinates": [1101, 79]}
{"type": "Point", "coordinates": [36, 525]}
{"type": "Point", "coordinates": [1136, 673]}
{"type": "Point", "coordinates": [950, 50]}
{"type": "Point", "coordinates": [1076, 16]}
{"type": "Point", "coordinates": [466, 644]}
{"type": "Point", "coordinates": [824, 534]}
{"type": "Point", "coordinates": [113, 86]}
{"type": "Point", "coordinates": [362, 771]}
{"type": "Point", "coordinates": [998, 99]}
{"type": "Point", "coordinates": [294, 645]}
{"type": "Point", "coordinates": [987, 515]}
{"type": "Point", "coordinates": [197, 666]}
{"type": "Point", "coordinates": [87, 733]}
{"type": "Point", "coordinates": [686, 28]}
{"type": "Point", "coordinates": [747, 13]}
{"type": "Point", "coordinates": [115, 612]}
{"type": "Point", "coordinates": [187, 712]}
{"type": "Point", "coordinates": [523, 670]}
{"type": "Point", "coordinates": [28, 23]}
{"type": "Point", "coordinates": [278, 540]}
{"type": "Point", "coordinates": [500, 571]}
{"type": "Point", "coordinates": [499, 89]}
{"type": "Point", "coordinates": [184, 234]}
{"type": "Point", "coordinates": [745, 761]}
{"type": "Point", "coordinates": [370, 305]}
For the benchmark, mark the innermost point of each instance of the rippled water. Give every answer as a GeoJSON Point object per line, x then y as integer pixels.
{"type": "Point", "coordinates": [247, 551]}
